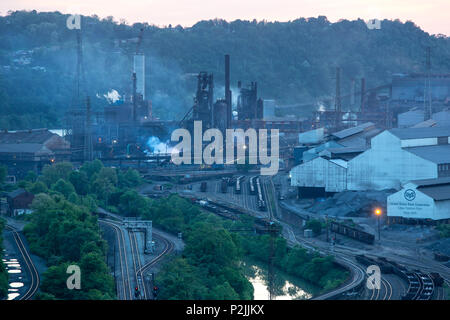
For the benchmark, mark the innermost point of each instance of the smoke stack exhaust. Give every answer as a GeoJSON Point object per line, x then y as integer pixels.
{"type": "Point", "coordinates": [227, 89]}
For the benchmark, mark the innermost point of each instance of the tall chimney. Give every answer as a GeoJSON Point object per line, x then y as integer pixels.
{"type": "Point", "coordinates": [134, 97]}
{"type": "Point", "coordinates": [352, 93]}
{"type": "Point", "coordinates": [227, 89]}
{"type": "Point", "coordinates": [363, 93]}
{"type": "Point", "coordinates": [337, 103]}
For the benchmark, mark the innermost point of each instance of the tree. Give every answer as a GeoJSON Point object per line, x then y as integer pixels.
{"type": "Point", "coordinates": [52, 173]}
{"type": "Point", "coordinates": [3, 173]}
{"type": "Point", "coordinates": [108, 174]}
{"type": "Point", "coordinates": [129, 179]}
{"type": "Point", "coordinates": [133, 204]}
{"type": "Point", "coordinates": [64, 187]}
{"type": "Point", "coordinates": [315, 225]}
{"type": "Point", "coordinates": [92, 167]}
{"type": "Point", "coordinates": [31, 176]}
{"type": "Point", "coordinates": [80, 181]}
{"type": "Point", "coordinates": [38, 187]}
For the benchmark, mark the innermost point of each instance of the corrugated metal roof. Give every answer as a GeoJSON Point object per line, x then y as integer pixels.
{"type": "Point", "coordinates": [439, 154]}
{"type": "Point", "coordinates": [16, 192]}
{"type": "Point", "coordinates": [360, 139]}
{"type": "Point", "coordinates": [347, 150]}
{"type": "Point", "coordinates": [431, 182]}
{"type": "Point", "coordinates": [438, 189]}
{"type": "Point", "coordinates": [340, 162]}
{"type": "Point", "coordinates": [420, 133]}
{"type": "Point", "coordinates": [425, 124]}
{"type": "Point", "coordinates": [351, 131]}
{"type": "Point", "coordinates": [440, 192]}
{"type": "Point", "coordinates": [24, 148]}
{"type": "Point", "coordinates": [26, 136]}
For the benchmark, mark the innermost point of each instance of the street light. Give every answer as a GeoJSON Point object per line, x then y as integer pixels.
{"type": "Point", "coordinates": [378, 212]}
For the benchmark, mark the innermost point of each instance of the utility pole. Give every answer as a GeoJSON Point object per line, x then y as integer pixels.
{"type": "Point", "coordinates": [337, 103]}
{"type": "Point", "coordinates": [363, 93]}
{"type": "Point", "coordinates": [427, 89]}
{"type": "Point", "coordinates": [87, 130]}
{"type": "Point", "coordinates": [378, 214]}
{"type": "Point", "coordinates": [228, 97]}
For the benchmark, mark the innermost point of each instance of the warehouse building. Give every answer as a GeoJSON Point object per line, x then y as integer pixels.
{"type": "Point", "coordinates": [422, 201]}
{"type": "Point", "coordinates": [319, 177]}
{"type": "Point", "coordinates": [322, 169]}
{"type": "Point", "coordinates": [398, 156]}
{"type": "Point", "coordinates": [19, 202]}
{"type": "Point", "coordinates": [25, 150]}
{"type": "Point", "coordinates": [395, 157]}
{"type": "Point", "coordinates": [416, 118]}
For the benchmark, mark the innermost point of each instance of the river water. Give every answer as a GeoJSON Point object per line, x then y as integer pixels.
{"type": "Point", "coordinates": [285, 287]}
{"type": "Point", "coordinates": [14, 269]}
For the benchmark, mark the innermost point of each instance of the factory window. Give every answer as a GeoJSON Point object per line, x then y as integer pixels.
{"type": "Point", "coordinates": [442, 140]}
{"type": "Point", "coordinates": [444, 170]}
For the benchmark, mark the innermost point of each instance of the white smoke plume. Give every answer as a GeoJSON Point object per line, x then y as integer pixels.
{"type": "Point", "coordinates": [112, 96]}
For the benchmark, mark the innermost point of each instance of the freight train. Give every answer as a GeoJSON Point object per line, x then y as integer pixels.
{"type": "Point", "coordinates": [352, 232]}
{"type": "Point", "coordinates": [251, 184]}
{"type": "Point", "coordinates": [224, 185]}
{"type": "Point", "coordinates": [421, 285]}
{"type": "Point", "coordinates": [261, 202]}
{"type": "Point", "coordinates": [238, 184]}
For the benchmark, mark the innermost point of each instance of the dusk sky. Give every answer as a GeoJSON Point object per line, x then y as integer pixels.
{"type": "Point", "coordinates": [432, 15]}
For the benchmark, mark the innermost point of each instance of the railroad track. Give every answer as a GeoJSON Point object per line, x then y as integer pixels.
{"type": "Point", "coordinates": [387, 289]}
{"type": "Point", "coordinates": [139, 269]}
{"type": "Point", "coordinates": [32, 271]}
{"type": "Point", "coordinates": [124, 291]}
{"type": "Point", "coordinates": [168, 248]}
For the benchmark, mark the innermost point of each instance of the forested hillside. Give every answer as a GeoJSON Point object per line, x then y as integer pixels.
{"type": "Point", "coordinates": [293, 62]}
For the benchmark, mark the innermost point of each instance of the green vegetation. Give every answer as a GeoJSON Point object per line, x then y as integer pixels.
{"type": "Point", "coordinates": [293, 62]}
{"type": "Point", "coordinates": [320, 271]}
{"type": "Point", "coordinates": [3, 173]}
{"type": "Point", "coordinates": [315, 225]}
{"type": "Point", "coordinates": [444, 230]}
{"type": "Point", "coordinates": [204, 230]}
{"type": "Point", "coordinates": [63, 230]}
{"type": "Point", "coordinates": [64, 233]}
{"type": "Point", "coordinates": [447, 291]}
{"type": "Point", "coordinates": [210, 265]}
{"type": "Point", "coordinates": [3, 273]}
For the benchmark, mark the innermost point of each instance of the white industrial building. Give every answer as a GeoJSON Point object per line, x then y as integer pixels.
{"type": "Point", "coordinates": [395, 157]}
{"type": "Point", "coordinates": [427, 200]}
{"type": "Point", "coordinates": [416, 117]}
{"type": "Point", "coordinates": [398, 156]}
{"type": "Point", "coordinates": [324, 164]}
{"type": "Point", "coordinates": [324, 175]}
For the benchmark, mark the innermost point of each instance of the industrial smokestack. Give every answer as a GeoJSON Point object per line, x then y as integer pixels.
{"type": "Point", "coordinates": [227, 89]}
{"type": "Point", "coordinates": [139, 70]}
{"type": "Point", "coordinates": [352, 93]}
{"type": "Point", "coordinates": [337, 103]}
{"type": "Point", "coordinates": [363, 93]}
{"type": "Point", "coordinates": [134, 96]}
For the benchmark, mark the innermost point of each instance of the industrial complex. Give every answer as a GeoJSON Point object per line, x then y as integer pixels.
{"type": "Point", "coordinates": [380, 157]}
